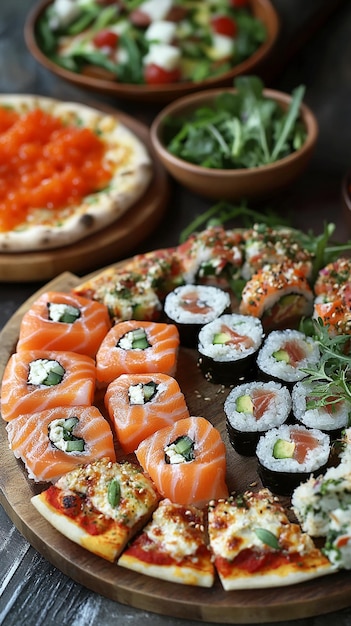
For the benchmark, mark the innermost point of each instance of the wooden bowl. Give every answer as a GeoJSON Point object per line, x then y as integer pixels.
{"type": "Point", "coordinates": [233, 184]}
{"type": "Point", "coordinates": [262, 9]}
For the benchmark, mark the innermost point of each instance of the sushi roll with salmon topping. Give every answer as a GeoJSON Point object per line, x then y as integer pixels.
{"type": "Point", "coordinates": [279, 295]}
{"type": "Point", "coordinates": [133, 347]}
{"type": "Point", "coordinates": [332, 278]}
{"type": "Point", "coordinates": [55, 441]}
{"type": "Point", "coordinates": [189, 307]}
{"type": "Point", "coordinates": [228, 347]}
{"type": "Point", "coordinates": [285, 354]}
{"type": "Point", "coordinates": [330, 416]}
{"type": "Point", "coordinates": [288, 455]}
{"type": "Point", "coordinates": [214, 254]}
{"type": "Point", "coordinates": [186, 461]}
{"type": "Point", "coordinates": [161, 268]}
{"type": "Point", "coordinates": [64, 321]}
{"type": "Point", "coordinates": [127, 294]}
{"type": "Point", "coordinates": [266, 246]}
{"type": "Point", "coordinates": [253, 408]}
{"type": "Point", "coordinates": [334, 314]}
{"type": "Point", "coordinates": [35, 380]}
{"type": "Point", "coordinates": [140, 404]}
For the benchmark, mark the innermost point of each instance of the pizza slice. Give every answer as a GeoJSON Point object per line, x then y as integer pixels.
{"type": "Point", "coordinates": [87, 168]}
{"type": "Point", "coordinates": [255, 545]}
{"type": "Point", "coordinates": [100, 505]}
{"type": "Point", "coordinates": [172, 547]}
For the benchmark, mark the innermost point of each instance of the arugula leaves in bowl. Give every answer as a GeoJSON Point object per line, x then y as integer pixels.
{"type": "Point", "coordinates": [245, 129]}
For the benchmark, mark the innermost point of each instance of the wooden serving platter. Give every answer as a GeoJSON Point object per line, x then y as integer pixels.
{"type": "Point", "coordinates": [106, 246]}
{"type": "Point", "coordinates": [205, 399]}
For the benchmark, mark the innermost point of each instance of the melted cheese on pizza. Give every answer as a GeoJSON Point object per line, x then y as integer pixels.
{"type": "Point", "coordinates": [256, 522]}
{"type": "Point", "coordinates": [136, 493]}
{"type": "Point", "coordinates": [176, 529]}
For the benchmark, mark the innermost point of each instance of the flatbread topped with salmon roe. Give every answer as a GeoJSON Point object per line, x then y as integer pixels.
{"type": "Point", "coordinates": [68, 171]}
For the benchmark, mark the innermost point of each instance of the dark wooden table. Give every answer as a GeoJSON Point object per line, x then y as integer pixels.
{"type": "Point", "coordinates": [315, 50]}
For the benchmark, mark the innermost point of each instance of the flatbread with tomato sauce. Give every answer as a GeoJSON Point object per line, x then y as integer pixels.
{"type": "Point", "coordinates": [67, 171]}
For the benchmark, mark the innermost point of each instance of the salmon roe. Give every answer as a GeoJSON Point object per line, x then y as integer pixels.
{"type": "Point", "coordinates": [45, 164]}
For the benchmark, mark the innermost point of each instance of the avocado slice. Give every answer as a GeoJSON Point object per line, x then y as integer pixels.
{"type": "Point", "coordinates": [244, 404]}
{"type": "Point", "coordinates": [283, 449]}
{"type": "Point", "coordinates": [282, 355]}
{"type": "Point", "coordinates": [220, 338]}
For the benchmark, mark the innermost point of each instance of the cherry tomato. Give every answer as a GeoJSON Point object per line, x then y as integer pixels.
{"type": "Point", "coordinates": [106, 38]}
{"type": "Point", "coordinates": [239, 3]}
{"type": "Point", "coordinates": [224, 25]}
{"type": "Point", "coordinates": [156, 75]}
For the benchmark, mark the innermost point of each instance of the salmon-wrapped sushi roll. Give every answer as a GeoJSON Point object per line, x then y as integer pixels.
{"type": "Point", "coordinates": [64, 321]}
{"type": "Point", "coordinates": [35, 380]}
{"type": "Point", "coordinates": [55, 441]}
{"type": "Point", "coordinates": [186, 461]}
{"type": "Point", "coordinates": [140, 404]}
{"type": "Point", "coordinates": [279, 295]}
{"type": "Point", "coordinates": [133, 347]}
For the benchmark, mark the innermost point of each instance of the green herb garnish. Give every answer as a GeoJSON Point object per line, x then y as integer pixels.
{"type": "Point", "coordinates": [114, 492]}
{"type": "Point", "coordinates": [267, 537]}
{"type": "Point", "coordinates": [331, 377]}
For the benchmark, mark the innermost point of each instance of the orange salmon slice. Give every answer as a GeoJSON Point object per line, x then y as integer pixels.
{"type": "Point", "coordinates": [261, 399]}
{"type": "Point", "coordinates": [236, 338]}
{"type": "Point", "coordinates": [304, 441]}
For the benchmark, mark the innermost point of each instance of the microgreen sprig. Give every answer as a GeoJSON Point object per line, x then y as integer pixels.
{"type": "Point", "coordinates": [331, 377]}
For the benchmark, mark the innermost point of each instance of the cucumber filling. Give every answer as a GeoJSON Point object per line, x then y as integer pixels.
{"type": "Point", "coordinates": [61, 435]}
{"type": "Point", "coordinates": [45, 372]}
{"type": "Point", "coordinates": [62, 313]}
{"type": "Point", "coordinates": [141, 393]}
{"type": "Point", "coordinates": [134, 340]}
{"type": "Point", "coordinates": [181, 450]}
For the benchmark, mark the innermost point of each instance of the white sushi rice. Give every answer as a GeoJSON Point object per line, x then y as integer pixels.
{"type": "Point", "coordinates": [208, 297]}
{"type": "Point", "coordinates": [277, 412]}
{"type": "Point", "coordinates": [268, 364]}
{"type": "Point", "coordinates": [314, 459]}
{"type": "Point", "coordinates": [244, 325]}
{"type": "Point", "coordinates": [314, 499]}
{"type": "Point", "coordinates": [318, 417]}
{"type": "Point", "coordinates": [338, 541]}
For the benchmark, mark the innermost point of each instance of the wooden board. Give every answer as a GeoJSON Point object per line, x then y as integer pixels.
{"type": "Point", "coordinates": [106, 246]}
{"type": "Point", "coordinates": [215, 605]}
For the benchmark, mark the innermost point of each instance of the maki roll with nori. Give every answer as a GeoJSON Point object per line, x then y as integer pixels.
{"type": "Point", "coordinates": [189, 307]}
{"type": "Point", "coordinates": [285, 354]}
{"type": "Point", "coordinates": [228, 347]}
{"type": "Point", "coordinates": [288, 455]}
{"type": "Point", "coordinates": [254, 408]}
{"type": "Point", "coordinates": [331, 415]}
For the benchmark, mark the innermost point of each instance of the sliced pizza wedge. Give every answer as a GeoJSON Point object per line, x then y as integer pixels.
{"type": "Point", "coordinates": [172, 547]}
{"type": "Point", "coordinates": [100, 505]}
{"type": "Point", "coordinates": [255, 545]}
{"type": "Point", "coordinates": [83, 168]}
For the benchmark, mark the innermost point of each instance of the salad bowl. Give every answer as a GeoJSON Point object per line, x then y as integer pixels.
{"type": "Point", "coordinates": [97, 79]}
{"type": "Point", "coordinates": [237, 182]}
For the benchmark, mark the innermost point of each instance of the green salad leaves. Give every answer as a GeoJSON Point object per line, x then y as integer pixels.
{"type": "Point", "coordinates": [240, 130]}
